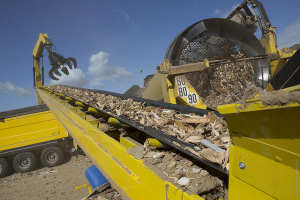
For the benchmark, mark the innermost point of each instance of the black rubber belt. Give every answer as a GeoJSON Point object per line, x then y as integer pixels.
{"type": "Point", "coordinates": [159, 135]}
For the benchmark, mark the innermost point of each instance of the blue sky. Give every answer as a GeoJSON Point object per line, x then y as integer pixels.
{"type": "Point", "coordinates": [111, 40]}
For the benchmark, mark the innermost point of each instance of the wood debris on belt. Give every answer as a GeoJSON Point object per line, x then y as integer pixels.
{"type": "Point", "coordinates": [224, 84]}
{"type": "Point", "coordinates": [190, 128]}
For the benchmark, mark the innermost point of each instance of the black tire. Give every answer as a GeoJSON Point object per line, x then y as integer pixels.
{"type": "Point", "coordinates": [24, 162]}
{"type": "Point", "coordinates": [3, 167]}
{"type": "Point", "coordinates": [52, 156]}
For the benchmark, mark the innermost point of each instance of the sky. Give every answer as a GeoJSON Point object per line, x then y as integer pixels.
{"type": "Point", "coordinates": [116, 43]}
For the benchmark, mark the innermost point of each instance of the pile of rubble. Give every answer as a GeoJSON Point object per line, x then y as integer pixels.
{"type": "Point", "coordinates": [180, 171]}
{"type": "Point", "coordinates": [209, 132]}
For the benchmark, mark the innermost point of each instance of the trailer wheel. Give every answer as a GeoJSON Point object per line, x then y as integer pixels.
{"type": "Point", "coordinates": [3, 167]}
{"type": "Point", "coordinates": [24, 162]}
{"type": "Point", "coordinates": [52, 156]}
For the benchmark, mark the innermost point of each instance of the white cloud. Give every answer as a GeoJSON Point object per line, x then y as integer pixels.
{"type": "Point", "coordinates": [76, 78]}
{"type": "Point", "coordinates": [10, 88]}
{"type": "Point", "coordinates": [101, 71]}
{"type": "Point", "coordinates": [225, 13]}
{"type": "Point", "coordinates": [125, 16]}
{"type": "Point", "coordinates": [290, 35]}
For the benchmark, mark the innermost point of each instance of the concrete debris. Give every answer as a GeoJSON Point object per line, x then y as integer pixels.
{"type": "Point", "coordinates": [132, 150]}
{"type": "Point", "coordinates": [139, 154]}
{"type": "Point", "coordinates": [196, 170]}
{"type": "Point", "coordinates": [171, 164]}
{"type": "Point", "coordinates": [158, 155]}
{"type": "Point", "coordinates": [149, 154]}
{"type": "Point", "coordinates": [183, 181]}
{"type": "Point", "coordinates": [178, 174]}
{"type": "Point", "coordinates": [183, 173]}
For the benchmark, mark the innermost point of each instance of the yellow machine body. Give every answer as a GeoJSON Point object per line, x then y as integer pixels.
{"type": "Point", "coordinates": [174, 89]}
{"type": "Point", "coordinates": [278, 57]}
{"type": "Point", "coordinates": [30, 129]}
{"type": "Point", "coordinates": [265, 153]}
{"type": "Point", "coordinates": [128, 175]}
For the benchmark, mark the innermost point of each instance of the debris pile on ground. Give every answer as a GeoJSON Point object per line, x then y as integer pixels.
{"type": "Point", "coordinates": [52, 183]}
{"type": "Point", "coordinates": [181, 172]}
{"type": "Point", "coordinates": [224, 84]}
{"type": "Point", "coordinates": [190, 128]}
{"type": "Point", "coordinates": [109, 194]}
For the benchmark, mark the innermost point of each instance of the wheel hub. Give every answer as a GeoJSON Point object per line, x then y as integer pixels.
{"type": "Point", "coordinates": [25, 162]}
{"type": "Point", "coordinates": [52, 157]}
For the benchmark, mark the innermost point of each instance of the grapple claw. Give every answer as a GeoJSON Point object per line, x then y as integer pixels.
{"type": "Point", "coordinates": [59, 63]}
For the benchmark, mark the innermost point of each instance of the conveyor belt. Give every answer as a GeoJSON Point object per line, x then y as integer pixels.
{"type": "Point", "coordinates": [166, 139]}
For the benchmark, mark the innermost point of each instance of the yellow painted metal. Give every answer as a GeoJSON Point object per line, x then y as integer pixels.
{"type": "Point", "coordinates": [266, 142]}
{"type": "Point", "coordinates": [128, 175]}
{"type": "Point", "coordinates": [160, 87]}
{"type": "Point", "coordinates": [186, 94]}
{"type": "Point", "coordinates": [39, 46]}
{"type": "Point", "coordinates": [187, 68]}
{"type": "Point", "coordinates": [37, 54]}
{"type": "Point", "coordinates": [278, 57]}
{"type": "Point", "coordinates": [113, 121]}
{"type": "Point", "coordinates": [154, 143]}
{"type": "Point", "coordinates": [30, 129]}
{"type": "Point", "coordinates": [255, 104]}
{"type": "Point", "coordinates": [167, 83]}
{"type": "Point", "coordinates": [37, 76]}
{"type": "Point", "coordinates": [153, 89]}
{"type": "Point", "coordinates": [164, 87]}
{"type": "Point", "coordinates": [283, 56]}
{"type": "Point", "coordinates": [239, 189]}
{"type": "Point", "coordinates": [84, 186]}
{"type": "Point", "coordinates": [268, 41]}
{"type": "Point", "coordinates": [127, 143]}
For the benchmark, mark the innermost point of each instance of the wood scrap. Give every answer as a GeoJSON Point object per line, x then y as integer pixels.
{"type": "Point", "coordinates": [191, 128]}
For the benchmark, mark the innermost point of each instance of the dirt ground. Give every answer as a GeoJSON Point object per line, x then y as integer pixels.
{"type": "Point", "coordinates": [48, 183]}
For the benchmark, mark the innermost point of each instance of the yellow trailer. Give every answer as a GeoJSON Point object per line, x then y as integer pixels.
{"type": "Point", "coordinates": [27, 133]}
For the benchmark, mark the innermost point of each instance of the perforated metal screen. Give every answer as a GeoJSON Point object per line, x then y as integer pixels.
{"type": "Point", "coordinates": [211, 48]}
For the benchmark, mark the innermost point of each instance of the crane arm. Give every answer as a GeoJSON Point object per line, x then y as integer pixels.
{"type": "Point", "coordinates": [57, 61]}
{"type": "Point", "coordinates": [37, 54]}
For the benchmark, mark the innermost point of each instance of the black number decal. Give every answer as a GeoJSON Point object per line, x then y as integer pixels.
{"type": "Point", "coordinates": [182, 91]}
{"type": "Point", "coordinates": [192, 98]}
{"type": "Point", "coordinates": [180, 81]}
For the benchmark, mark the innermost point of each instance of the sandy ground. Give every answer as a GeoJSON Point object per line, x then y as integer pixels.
{"type": "Point", "coordinates": [48, 183]}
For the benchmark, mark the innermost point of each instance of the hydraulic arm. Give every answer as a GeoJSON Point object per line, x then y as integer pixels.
{"type": "Point", "coordinates": [57, 61]}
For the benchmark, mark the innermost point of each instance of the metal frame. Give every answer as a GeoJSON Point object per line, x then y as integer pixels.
{"type": "Point", "coordinates": [127, 174]}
